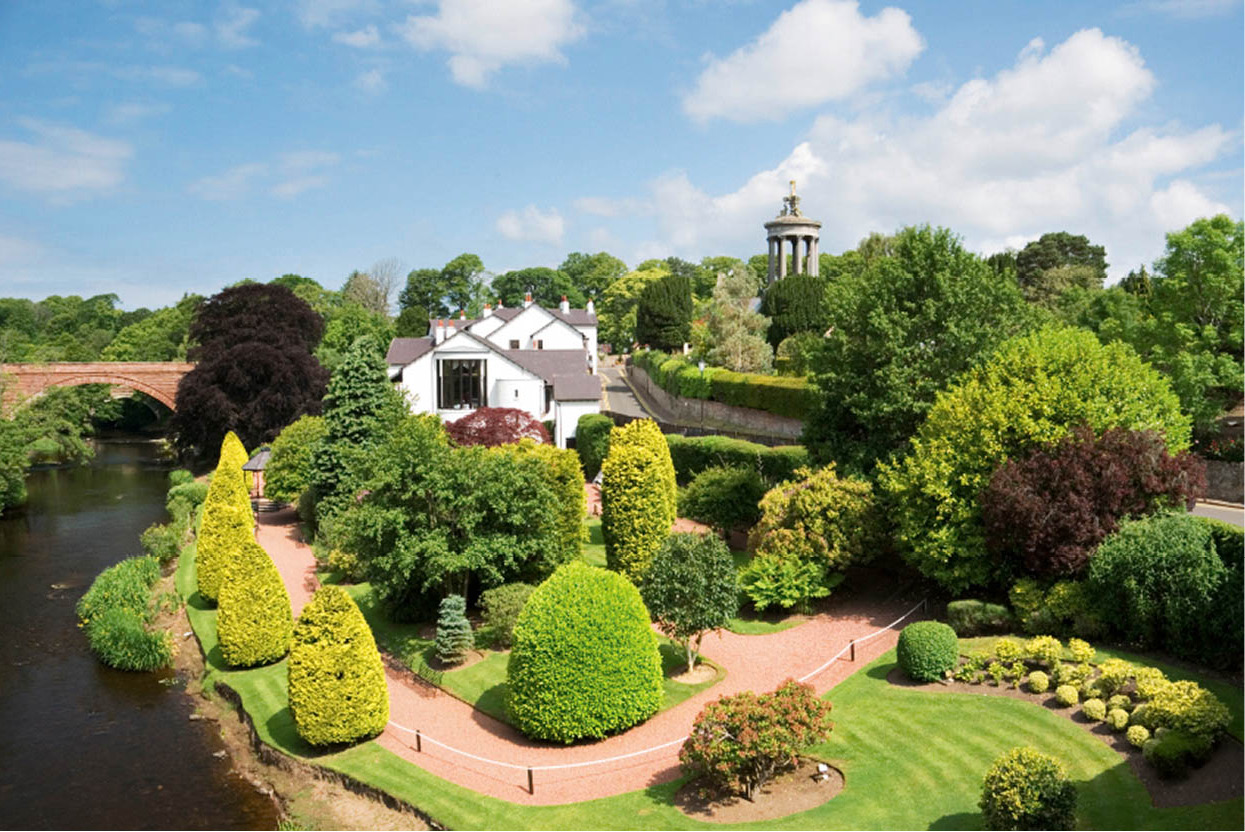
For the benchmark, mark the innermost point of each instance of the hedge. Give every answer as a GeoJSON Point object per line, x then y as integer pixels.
{"type": "Point", "coordinates": [793, 398]}
{"type": "Point", "coordinates": [970, 617]}
{"type": "Point", "coordinates": [592, 442]}
{"type": "Point", "coordinates": [336, 677]}
{"type": "Point", "coordinates": [635, 519]}
{"type": "Point", "coordinates": [254, 622]}
{"type": "Point", "coordinates": [585, 660]}
{"type": "Point", "coordinates": [693, 454]}
{"type": "Point", "coordinates": [927, 650]}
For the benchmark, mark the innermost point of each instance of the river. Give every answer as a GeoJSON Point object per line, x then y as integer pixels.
{"type": "Point", "coordinates": [83, 746]}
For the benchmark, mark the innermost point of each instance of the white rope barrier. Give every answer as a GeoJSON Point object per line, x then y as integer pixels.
{"type": "Point", "coordinates": [421, 737]}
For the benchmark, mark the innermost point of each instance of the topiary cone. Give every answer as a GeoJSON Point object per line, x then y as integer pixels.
{"type": "Point", "coordinates": [336, 678]}
{"type": "Point", "coordinates": [227, 524]}
{"type": "Point", "coordinates": [254, 623]}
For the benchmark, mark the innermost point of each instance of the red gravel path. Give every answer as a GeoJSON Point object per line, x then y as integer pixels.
{"type": "Point", "coordinates": [757, 663]}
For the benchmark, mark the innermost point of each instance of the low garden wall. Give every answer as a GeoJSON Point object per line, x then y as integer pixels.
{"type": "Point", "coordinates": [703, 413]}
{"type": "Point", "coordinates": [1225, 481]}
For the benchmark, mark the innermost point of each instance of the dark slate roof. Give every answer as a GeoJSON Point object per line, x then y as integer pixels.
{"type": "Point", "coordinates": [549, 363]}
{"type": "Point", "coordinates": [576, 387]}
{"type": "Point", "coordinates": [258, 462]}
{"type": "Point", "coordinates": [576, 317]}
{"type": "Point", "coordinates": [405, 350]}
{"type": "Point", "coordinates": [507, 313]}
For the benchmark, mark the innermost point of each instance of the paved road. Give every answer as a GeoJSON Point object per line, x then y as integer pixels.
{"type": "Point", "coordinates": [618, 396]}
{"type": "Point", "coordinates": [1229, 514]}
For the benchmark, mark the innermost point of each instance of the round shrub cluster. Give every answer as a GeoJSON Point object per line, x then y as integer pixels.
{"type": "Point", "coordinates": [1187, 706]}
{"type": "Point", "coordinates": [1120, 700]}
{"type": "Point", "coordinates": [724, 498]}
{"type": "Point", "coordinates": [1045, 649]}
{"type": "Point", "coordinates": [1066, 696]}
{"type": "Point", "coordinates": [1113, 674]}
{"type": "Point", "coordinates": [336, 677]}
{"type": "Point", "coordinates": [1082, 652]}
{"type": "Point", "coordinates": [254, 622]}
{"type": "Point", "coordinates": [585, 660]}
{"type": "Point", "coordinates": [1150, 680]}
{"type": "Point", "coordinates": [1094, 709]}
{"type": "Point", "coordinates": [1026, 789]}
{"type": "Point", "coordinates": [927, 650]}
{"type": "Point", "coordinates": [1008, 650]}
{"type": "Point", "coordinates": [1039, 682]}
{"type": "Point", "coordinates": [1137, 735]}
{"type": "Point", "coordinates": [1117, 718]}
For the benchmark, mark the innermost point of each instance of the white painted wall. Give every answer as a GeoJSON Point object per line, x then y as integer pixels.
{"type": "Point", "coordinates": [567, 418]}
{"type": "Point", "coordinates": [520, 328]}
{"type": "Point", "coordinates": [509, 385]}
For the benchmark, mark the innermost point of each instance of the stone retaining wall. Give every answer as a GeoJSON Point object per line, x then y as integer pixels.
{"type": "Point", "coordinates": [713, 416]}
{"type": "Point", "coordinates": [1225, 481]}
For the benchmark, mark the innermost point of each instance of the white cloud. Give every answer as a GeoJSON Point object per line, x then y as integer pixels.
{"type": "Point", "coordinates": [364, 38]}
{"type": "Point", "coordinates": [293, 187]}
{"type": "Point", "coordinates": [65, 162]}
{"type": "Point", "coordinates": [1037, 147]}
{"type": "Point", "coordinates": [372, 81]}
{"type": "Point", "coordinates": [532, 225]}
{"type": "Point", "coordinates": [482, 36]}
{"type": "Point", "coordinates": [232, 25]}
{"type": "Point", "coordinates": [131, 111]}
{"type": "Point", "coordinates": [817, 51]}
{"type": "Point", "coordinates": [231, 184]}
{"type": "Point", "coordinates": [1183, 8]}
{"type": "Point", "coordinates": [287, 176]}
{"type": "Point", "coordinates": [331, 12]}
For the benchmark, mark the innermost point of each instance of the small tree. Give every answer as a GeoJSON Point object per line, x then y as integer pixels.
{"type": "Point", "coordinates": [289, 468]}
{"type": "Point", "coordinates": [664, 313]}
{"type": "Point", "coordinates": [254, 622]}
{"type": "Point", "coordinates": [454, 637]}
{"type": "Point", "coordinates": [795, 304]}
{"type": "Point", "coordinates": [739, 742]}
{"type": "Point", "coordinates": [1026, 789]}
{"type": "Point", "coordinates": [690, 589]}
{"type": "Point", "coordinates": [736, 333]}
{"type": "Point", "coordinates": [494, 426]}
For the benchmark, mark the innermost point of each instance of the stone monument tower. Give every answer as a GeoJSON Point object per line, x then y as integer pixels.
{"type": "Point", "coordinates": [793, 228]}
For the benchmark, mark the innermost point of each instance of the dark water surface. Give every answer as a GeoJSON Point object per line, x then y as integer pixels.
{"type": "Point", "coordinates": [83, 746]}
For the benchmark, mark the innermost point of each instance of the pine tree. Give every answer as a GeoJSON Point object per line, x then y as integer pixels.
{"type": "Point", "coordinates": [454, 637]}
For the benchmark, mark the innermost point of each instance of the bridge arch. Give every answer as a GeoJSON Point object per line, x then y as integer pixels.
{"type": "Point", "coordinates": [157, 379]}
{"type": "Point", "coordinates": [135, 384]}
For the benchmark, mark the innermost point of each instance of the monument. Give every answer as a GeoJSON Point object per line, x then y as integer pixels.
{"type": "Point", "coordinates": [791, 229]}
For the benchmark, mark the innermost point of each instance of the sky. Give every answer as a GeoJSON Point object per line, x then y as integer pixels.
{"type": "Point", "coordinates": [153, 149]}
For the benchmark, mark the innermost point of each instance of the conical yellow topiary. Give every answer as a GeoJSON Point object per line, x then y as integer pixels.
{"type": "Point", "coordinates": [227, 520]}
{"type": "Point", "coordinates": [231, 448]}
{"type": "Point", "coordinates": [645, 433]}
{"type": "Point", "coordinates": [254, 623]}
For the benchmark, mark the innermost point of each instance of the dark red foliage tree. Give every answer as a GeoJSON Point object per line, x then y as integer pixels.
{"type": "Point", "coordinates": [254, 373]}
{"type": "Point", "coordinates": [492, 426]}
{"type": "Point", "coordinates": [1050, 510]}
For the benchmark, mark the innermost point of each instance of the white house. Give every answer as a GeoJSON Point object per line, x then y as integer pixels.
{"type": "Point", "coordinates": [543, 361]}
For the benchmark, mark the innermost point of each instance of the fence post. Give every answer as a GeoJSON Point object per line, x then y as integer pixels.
{"type": "Point", "coordinates": [419, 746]}
{"type": "Point", "coordinates": [853, 646]}
{"type": "Point", "coordinates": [531, 787]}
{"type": "Point", "coordinates": [925, 604]}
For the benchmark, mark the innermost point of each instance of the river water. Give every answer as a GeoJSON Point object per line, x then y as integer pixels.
{"type": "Point", "coordinates": [83, 746]}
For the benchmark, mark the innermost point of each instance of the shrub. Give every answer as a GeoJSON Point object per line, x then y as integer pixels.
{"type": "Point", "coordinates": [644, 433]}
{"type": "Point", "coordinates": [1063, 607]}
{"type": "Point", "coordinates": [227, 524]}
{"type": "Point", "coordinates": [798, 354]}
{"type": "Point", "coordinates": [1048, 510]}
{"type": "Point", "coordinates": [786, 582]}
{"type": "Point", "coordinates": [1025, 789]}
{"type": "Point", "coordinates": [692, 454]}
{"type": "Point", "coordinates": [162, 541]}
{"type": "Point", "coordinates": [1188, 707]}
{"type": "Point", "coordinates": [1117, 718]}
{"type": "Point", "coordinates": [454, 638]}
{"type": "Point", "coordinates": [570, 503]}
{"type": "Point", "coordinates": [502, 606]}
{"type": "Point", "coordinates": [1045, 649]}
{"type": "Point", "coordinates": [180, 476]}
{"type": "Point", "coordinates": [1113, 674]}
{"type": "Point", "coordinates": [121, 639]}
{"type": "Point", "coordinates": [1039, 682]}
{"type": "Point", "coordinates": [1008, 649]}
{"type": "Point", "coordinates": [1094, 709]}
{"type": "Point", "coordinates": [635, 519]}
{"type": "Point", "coordinates": [1137, 735]}
{"type": "Point", "coordinates": [1120, 700]}
{"type": "Point", "coordinates": [1157, 580]}
{"type": "Point", "coordinates": [194, 493]}
{"type": "Point", "coordinates": [1081, 651]}
{"type": "Point", "coordinates": [125, 585]}
{"type": "Point", "coordinates": [1150, 680]}
{"type": "Point", "coordinates": [493, 426]}
{"type": "Point", "coordinates": [739, 742]}
{"type": "Point", "coordinates": [927, 650]}
{"type": "Point", "coordinates": [690, 589]}
{"type": "Point", "coordinates": [232, 450]}
{"type": "Point", "coordinates": [254, 623]}
{"type": "Point", "coordinates": [1033, 390]}
{"type": "Point", "coordinates": [793, 398]}
{"type": "Point", "coordinates": [1066, 696]}
{"type": "Point", "coordinates": [969, 617]}
{"type": "Point", "coordinates": [818, 518]}
{"type": "Point", "coordinates": [336, 677]}
{"type": "Point", "coordinates": [592, 442]}
{"type": "Point", "coordinates": [289, 469]}
{"type": "Point", "coordinates": [1173, 753]}
{"type": "Point", "coordinates": [724, 498]}
{"type": "Point", "coordinates": [585, 660]}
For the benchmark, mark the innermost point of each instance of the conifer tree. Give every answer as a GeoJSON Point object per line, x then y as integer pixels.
{"type": "Point", "coordinates": [454, 637]}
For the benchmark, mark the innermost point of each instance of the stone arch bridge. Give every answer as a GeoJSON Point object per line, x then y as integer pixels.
{"type": "Point", "coordinates": [157, 379]}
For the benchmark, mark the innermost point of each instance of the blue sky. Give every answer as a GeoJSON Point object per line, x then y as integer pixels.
{"type": "Point", "coordinates": [150, 149]}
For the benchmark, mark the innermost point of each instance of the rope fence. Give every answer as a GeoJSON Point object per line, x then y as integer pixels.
{"type": "Point", "coordinates": [421, 738]}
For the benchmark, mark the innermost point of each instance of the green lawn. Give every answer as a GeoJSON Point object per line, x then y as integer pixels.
{"type": "Point", "coordinates": [594, 549]}
{"type": "Point", "coordinates": [913, 760]}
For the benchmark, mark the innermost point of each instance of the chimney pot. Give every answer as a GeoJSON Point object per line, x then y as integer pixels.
{"type": "Point", "coordinates": [527, 300]}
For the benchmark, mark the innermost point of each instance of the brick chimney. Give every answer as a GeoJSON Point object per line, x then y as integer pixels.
{"type": "Point", "coordinates": [488, 310]}
{"type": "Point", "coordinates": [527, 300]}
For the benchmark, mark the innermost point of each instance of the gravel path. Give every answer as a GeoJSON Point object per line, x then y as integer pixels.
{"type": "Point", "coordinates": [758, 663]}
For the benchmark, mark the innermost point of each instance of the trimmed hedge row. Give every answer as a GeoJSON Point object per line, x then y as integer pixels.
{"type": "Point", "coordinates": [693, 454]}
{"type": "Point", "coordinates": [592, 442]}
{"type": "Point", "coordinates": [793, 398]}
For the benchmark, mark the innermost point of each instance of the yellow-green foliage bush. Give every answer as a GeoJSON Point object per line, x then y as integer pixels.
{"type": "Point", "coordinates": [566, 477]}
{"type": "Point", "coordinates": [585, 660]}
{"type": "Point", "coordinates": [1094, 709]}
{"type": "Point", "coordinates": [1039, 682]}
{"type": "Point", "coordinates": [337, 680]}
{"type": "Point", "coordinates": [818, 517]}
{"type": "Point", "coordinates": [1067, 696]}
{"type": "Point", "coordinates": [227, 522]}
{"type": "Point", "coordinates": [1117, 718]}
{"type": "Point", "coordinates": [254, 623]}
{"type": "Point", "coordinates": [1113, 674]}
{"type": "Point", "coordinates": [635, 520]}
{"type": "Point", "coordinates": [1187, 706]}
{"type": "Point", "coordinates": [1080, 650]}
{"type": "Point", "coordinates": [1008, 649]}
{"type": "Point", "coordinates": [1045, 649]}
{"type": "Point", "coordinates": [645, 433]}
{"type": "Point", "coordinates": [232, 449]}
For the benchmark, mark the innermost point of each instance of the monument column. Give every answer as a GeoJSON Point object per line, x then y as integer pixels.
{"type": "Point", "coordinates": [792, 227]}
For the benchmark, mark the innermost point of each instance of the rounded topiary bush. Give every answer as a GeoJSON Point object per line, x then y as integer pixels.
{"type": "Point", "coordinates": [1120, 700]}
{"type": "Point", "coordinates": [1067, 696]}
{"type": "Point", "coordinates": [254, 623]}
{"type": "Point", "coordinates": [1137, 735]}
{"type": "Point", "coordinates": [1094, 709]}
{"type": "Point", "coordinates": [585, 660]}
{"type": "Point", "coordinates": [635, 519]}
{"type": "Point", "coordinates": [1039, 682]}
{"type": "Point", "coordinates": [336, 678]}
{"type": "Point", "coordinates": [1026, 789]}
{"type": "Point", "coordinates": [927, 650]}
{"type": "Point", "coordinates": [645, 433]}
{"type": "Point", "coordinates": [1118, 719]}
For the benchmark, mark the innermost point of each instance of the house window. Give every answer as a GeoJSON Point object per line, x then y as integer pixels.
{"type": "Point", "coordinates": [540, 345]}
{"type": "Point", "coordinates": [548, 397]}
{"type": "Point", "coordinates": [514, 343]}
{"type": "Point", "coordinates": [461, 384]}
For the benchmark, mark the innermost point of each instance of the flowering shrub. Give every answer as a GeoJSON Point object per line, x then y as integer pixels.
{"type": "Point", "coordinates": [492, 426]}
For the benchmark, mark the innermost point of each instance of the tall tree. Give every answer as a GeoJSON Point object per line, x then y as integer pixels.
{"type": "Point", "coordinates": [363, 289]}
{"type": "Point", "coordinates": [546, 285]}
{"type": "Point", "coordinates": [736, 333]}
{"type": "Point", "coordinates": [1056, 261]}
{"type": "Point", "coordinates": [617, 315]}
{"type": "Point", "coordinates": [159, 337]}
{"type": "Point", "coordinates": [797, 303]}
{"type": "Point", "coordinates": [592, 274]}
{"type": "Point", "coordinates": [664, 313]}
{"type": "Point", "coordinates": [466, 283]}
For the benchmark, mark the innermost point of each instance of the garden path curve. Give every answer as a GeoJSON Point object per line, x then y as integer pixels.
{"type": "Point", "coordinates": [758, 663]}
